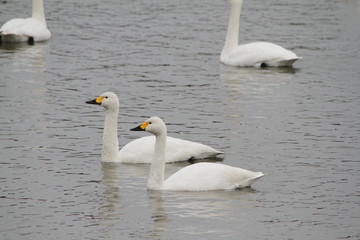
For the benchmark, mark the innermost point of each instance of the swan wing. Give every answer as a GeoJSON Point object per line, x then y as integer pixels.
{"type": "Point", "coordinates": [20, 29]}
{"type": "Point", "coordinates": [259, 54]}
{"type": "Point", "coordinates": [12, 24]}
{"type": "Point", "coordinates": [210, 176]}
{"type": "Point", "coordinates": [141, 150]}
{"type": "Point", "coordinates": [180, 150]}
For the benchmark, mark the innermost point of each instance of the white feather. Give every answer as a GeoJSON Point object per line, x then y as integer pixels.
{"type": "Point", "coordinates": [176, 150]}
{"type": "Point", "coordinates": [210, 176]}
{"type": "Point", "coordinates": [258, 53]}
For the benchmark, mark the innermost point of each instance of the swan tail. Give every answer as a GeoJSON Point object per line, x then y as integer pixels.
{"type": "Point", "coordinates": [277, 62]}
{"type": "Point", "coordinates": [207, 154]}
{"type": "Point", "coordinates": [251, 180]}
{"type": "Point", "coordinates": [288, 62]}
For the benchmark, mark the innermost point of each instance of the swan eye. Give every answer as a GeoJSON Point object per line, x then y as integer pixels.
{"type": "Point", "coordinates": [106, 97]}
{"type": "Point", "coordinates": [150, 122]}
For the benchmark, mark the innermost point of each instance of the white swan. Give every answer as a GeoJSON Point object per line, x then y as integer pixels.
{"type": "Point", "coordinates": [196, 177]}
{"type": "Point", "coordinates": [27, 29]}
{"type": "Point", "coordinates": [257, 54]}
{"type": "Point", "coordinates": [141, 150]}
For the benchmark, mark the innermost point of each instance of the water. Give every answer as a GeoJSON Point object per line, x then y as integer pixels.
{"type": "Point", "coordinates": [300, 126]}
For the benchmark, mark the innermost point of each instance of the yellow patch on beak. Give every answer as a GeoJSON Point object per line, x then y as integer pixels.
{"type": "Point", "coordinates": [99, 100]}
{"type": "Point", "coordinates": [144, 125]}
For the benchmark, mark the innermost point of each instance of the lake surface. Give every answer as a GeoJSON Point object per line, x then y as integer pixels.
{"type": "Point", "coordinates": [300, 126]}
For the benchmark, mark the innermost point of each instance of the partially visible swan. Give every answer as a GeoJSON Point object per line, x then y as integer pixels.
{"type": "Point", "coordinates": [27, 29]}
{"type": "Point", "coordinates": [141, 150]}
{"type": "Point", "coordinates": [257, 54]}
{"type": "Point", "coordinates": [196, 177]}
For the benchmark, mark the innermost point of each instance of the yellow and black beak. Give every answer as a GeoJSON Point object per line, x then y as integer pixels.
{"type": "Point", "coordinates": [97, 101]}
{"type": "Point", "coordinates": [141, 127]}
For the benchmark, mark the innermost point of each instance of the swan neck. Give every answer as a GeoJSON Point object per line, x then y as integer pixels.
{"type": "Point", "coordinates": [110, 147]}
{"type": "Point", "coordinates": [157, 168]}
{"type": "Point", "coordinates": [232, 36]}
{"type": "Point", "coordinates": [38, 11]}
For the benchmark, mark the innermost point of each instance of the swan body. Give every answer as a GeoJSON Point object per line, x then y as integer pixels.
{"type": "Point", "coordinates": [141, 150]}
{"type": "Point", "coordinates": [27, 29]}
{"type": "Point", "coordinates": [210, 176]}
{"type": "Point", "coordinates": [195, 177]}
{"type": "Point", "coordinates": [257, 54]}
{"type": "Point", "coordinates": [177, 150]}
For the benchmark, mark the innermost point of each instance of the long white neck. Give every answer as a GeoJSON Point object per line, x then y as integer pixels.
{"type": "Point", "coordinates": [110, 147]}
{"type": "Point", "coordinates": [38, 11]}
{"type": "Point", "coordinates": [157, 168]}
{"type": "Point", "coordinates": [232, 36]}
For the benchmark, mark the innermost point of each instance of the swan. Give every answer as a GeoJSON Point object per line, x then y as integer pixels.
{"type": "Point", "coordinates": [256, 54]}
{"type": "Point", "coordinates": [27, 29]}
{"type": "Point", "coordinates": [196, 177]}
{"type": "Point", "coordinates": [141, 150]}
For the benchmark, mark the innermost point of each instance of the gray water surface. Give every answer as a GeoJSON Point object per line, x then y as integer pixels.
{"type": "Point", "coordinates": [300, 126]}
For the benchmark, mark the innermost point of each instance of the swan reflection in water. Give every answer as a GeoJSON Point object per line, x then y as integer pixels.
{"type": "Point", "coordinates": [110, 210]}
{"type": "Point", "coordinates": [245, 87]}
{"type": "Point", "coordinates": [25, 58]}
{"type": "Point", "coordinates": [159, 216]}
{"type": "Point", "coordinates": [170, 207]}
{"type": "Point", "coordinates": [123, 201]}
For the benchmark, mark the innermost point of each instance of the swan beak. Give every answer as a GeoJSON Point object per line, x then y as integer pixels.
{"type": "Point", "coordinates": [141, 127]}
{"type": "Point", "coordinates": [97, 101]}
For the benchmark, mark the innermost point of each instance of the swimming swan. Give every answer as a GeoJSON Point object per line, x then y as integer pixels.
{"type": "Point", "coordinates": [141, 150]}
{"type": "Point", "coordinates": [195, 177]}
{"type": "Point", "coordinates": [27, 29]}
{"type": "Point", "coordinates": [257, 54]}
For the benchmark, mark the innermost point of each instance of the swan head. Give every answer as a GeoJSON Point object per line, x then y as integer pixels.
{"type": "Point", "coordinates": [154, 125]}
{"type": "Point", "coordinates": [108, 100]}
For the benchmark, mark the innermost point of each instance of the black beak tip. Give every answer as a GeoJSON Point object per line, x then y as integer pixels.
{"type": "Point", "coordinates": [91, 102]}
{"type": "Point", "coordinates": [138, 128]}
